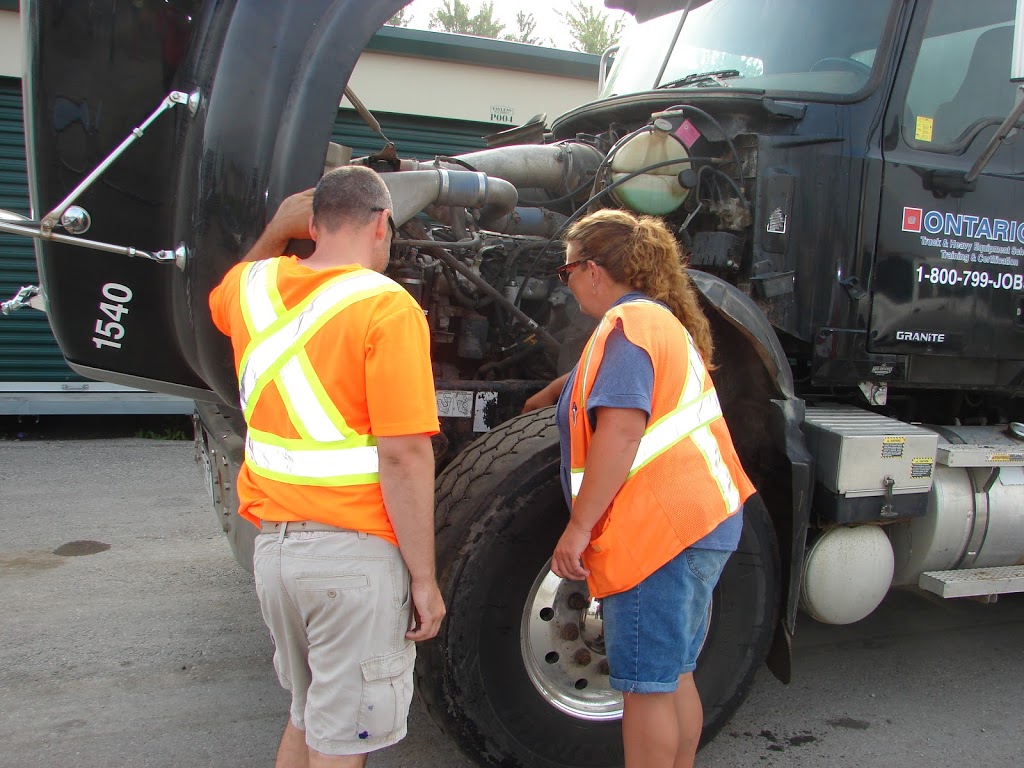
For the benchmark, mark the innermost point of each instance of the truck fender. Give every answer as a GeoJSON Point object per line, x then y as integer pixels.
{"type": "Point", "coordinates": [789, 503]}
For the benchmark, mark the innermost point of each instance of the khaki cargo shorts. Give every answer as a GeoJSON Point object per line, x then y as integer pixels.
{"type": "Point", "coordinates": [338, 606]}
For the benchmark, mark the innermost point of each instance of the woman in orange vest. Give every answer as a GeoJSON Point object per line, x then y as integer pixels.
{"type": "Point", "coordinates": [650, 473]}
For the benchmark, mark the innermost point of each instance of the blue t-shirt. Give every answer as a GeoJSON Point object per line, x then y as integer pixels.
{"type": "Point", "coordinates": [626, 380]}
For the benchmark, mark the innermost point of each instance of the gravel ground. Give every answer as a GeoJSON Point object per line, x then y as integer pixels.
{"type": "Point", "coordinates": [129, 636]}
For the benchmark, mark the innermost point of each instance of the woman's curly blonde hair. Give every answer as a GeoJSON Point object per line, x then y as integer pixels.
{"type": "Point", "coordinates": [639, 251]}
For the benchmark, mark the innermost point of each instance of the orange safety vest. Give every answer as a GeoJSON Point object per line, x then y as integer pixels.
{"type": "Point", "coordinates": [304, 458]}
{"type": "Point", "coordinates": [686, 478]}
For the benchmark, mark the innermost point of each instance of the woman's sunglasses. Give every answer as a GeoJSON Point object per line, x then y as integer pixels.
{"type": "Point", "coordinates": [565, 270]}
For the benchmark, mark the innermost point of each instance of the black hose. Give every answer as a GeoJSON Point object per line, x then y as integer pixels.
{"type": "Point", "coordinates": [457, 161]}
{"type": "Point", "coordinates": [506, 362]}
{"type": "Point", "coordinates": [571, 219]}
{"type": "Point", "coordinates": [488, 289]}
{"type": "Point", "coordinates": [733, 184]}
{"type": "Point", "coordinates": [697, 110]}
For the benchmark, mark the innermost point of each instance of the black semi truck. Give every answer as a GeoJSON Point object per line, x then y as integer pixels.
{"type": "Point", "coordinates": [845, 177]}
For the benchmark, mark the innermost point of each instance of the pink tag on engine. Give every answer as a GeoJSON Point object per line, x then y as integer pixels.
{"type": "Point", "coordinates": [688, 133]}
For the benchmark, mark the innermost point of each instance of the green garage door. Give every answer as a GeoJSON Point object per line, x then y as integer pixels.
{"type": "Point", "coordinates": [34, 379]}
{"type": "Point", "coordinates": [422, 138]}
{"type": "Point", "coordinates": [33, 375]}
{"type": "Point", "coordinates": [28, 351]}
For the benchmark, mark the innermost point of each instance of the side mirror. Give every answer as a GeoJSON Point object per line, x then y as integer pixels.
{"type": "Point", "coordinates": [1016, 76]}
{"type": "Point", "coordinates": [606, 61]}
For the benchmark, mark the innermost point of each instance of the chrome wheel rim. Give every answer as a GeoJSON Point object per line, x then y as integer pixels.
{"type": "Point", "coordinates": [565, 661]}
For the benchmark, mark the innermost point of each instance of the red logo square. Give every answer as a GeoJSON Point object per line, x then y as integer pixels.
{"type": "Point", "coordinates": [912, 219]}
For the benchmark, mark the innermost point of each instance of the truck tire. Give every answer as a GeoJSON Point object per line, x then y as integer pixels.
{"type": "Point", "coordinates": [485, 681]}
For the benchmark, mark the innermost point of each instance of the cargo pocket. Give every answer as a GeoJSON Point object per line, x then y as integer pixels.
{"type": "Point", "coordinates": [386, 694]}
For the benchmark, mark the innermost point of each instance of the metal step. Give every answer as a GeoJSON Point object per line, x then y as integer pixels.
{"type": "Point", "coordinates": [974, 582]}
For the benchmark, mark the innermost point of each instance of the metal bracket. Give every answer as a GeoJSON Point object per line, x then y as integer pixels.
{"type": "Point", "coordinates": [876, 393]}
{"type": "Point", "coordinates": [28, 296]}
{"type": "Point", "coordinates": [887, 509]}
{"type": "Point", "coordinates": [76, 220]}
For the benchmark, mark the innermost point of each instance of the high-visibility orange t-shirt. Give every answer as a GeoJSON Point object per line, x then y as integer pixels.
{"type": "Point", "coordinates": [373, 359]}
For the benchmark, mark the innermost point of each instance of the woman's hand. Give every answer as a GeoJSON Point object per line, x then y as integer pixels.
{"type": "Point", "coordinates": [566, 561]}
{"type": "Point", "coordinates": [547, 396]}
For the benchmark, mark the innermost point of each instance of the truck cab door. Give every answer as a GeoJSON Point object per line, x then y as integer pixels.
{"type": "Point", "coordinates": [948, 277]}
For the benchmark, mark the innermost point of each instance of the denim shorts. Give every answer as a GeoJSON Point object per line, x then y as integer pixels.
{"type": "Point", "coordinates": [654, 631]}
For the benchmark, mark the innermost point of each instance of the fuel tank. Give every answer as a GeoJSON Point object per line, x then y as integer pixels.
{"type": "Point", "coordinates": [264, 79]}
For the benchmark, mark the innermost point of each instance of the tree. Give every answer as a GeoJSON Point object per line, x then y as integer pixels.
{"type": "Point", "coordinates": [527, 25]}
{"type": "Point", "coordinates": [401, 19]}
{"type": "Point", "coordinates": [454, 16]}
{"type": "Point", "coordinates": [592, 31]}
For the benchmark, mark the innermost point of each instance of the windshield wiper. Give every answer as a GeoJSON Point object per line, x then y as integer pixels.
{"type": "Point", "coordinates": [716, 77]}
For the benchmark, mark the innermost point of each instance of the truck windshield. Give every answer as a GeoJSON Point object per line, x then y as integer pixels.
{"type": "Point", "coordinates": [826, 47]}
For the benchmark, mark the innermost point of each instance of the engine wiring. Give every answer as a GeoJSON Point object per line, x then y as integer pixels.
{"type": "Point", "coordinates": [597, 196]}
{"type": "Point", "coordinates": [684, 108]}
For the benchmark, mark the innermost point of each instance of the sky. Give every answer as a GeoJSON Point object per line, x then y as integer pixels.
{"type": "Point", "coordinates": [549, 26]}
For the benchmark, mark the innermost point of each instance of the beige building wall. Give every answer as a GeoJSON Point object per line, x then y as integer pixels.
{"type": "Point", "coordinates": [417, 86]}
{"type": "Point", "coordinates": [409, 85]}
{"type": "Point", "coordinates": [10, 44]}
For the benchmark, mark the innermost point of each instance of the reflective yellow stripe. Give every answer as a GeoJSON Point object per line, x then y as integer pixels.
{"type": "Point", "coordinates": [575, 482]}
{"type": "Point", "coordinates": [309, 408]}
{"type": "Point", "coordinates": [298, 444]}
{"type": "Point", "coordinates": [243, 297]}
{"type": "Point", "coordinates": [253, 287]}
{"type": "Point", "coordinates": [327, 408]}
{"type": "Point", "coordinates": [695, 373]}
{"type": "Point", "coordinates": [305, 410]}
{"type": "Point", "coordinates": [264, 303]}
{"type": "Point", "coordinates": [267, 355]}
{"type": "Point", "coordinates": [679, 425]}
{"type": "Point", "coordinates": [586, 366]}
{"type": "Point", "coordinates": [276, 300]}
{"type": "Point", "coordinates": [328, 452]}
{"type": "Point", "coordinates": [696, 410]}
{"type": "Point", "coordinates": [668, 432]}
{"type": "Point", "coordinates": [708, 446]}
{"type": "Point", "coordinates": [312, 465]}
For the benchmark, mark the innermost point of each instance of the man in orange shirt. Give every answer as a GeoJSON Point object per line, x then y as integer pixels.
{"type": "Point", "coordinates": [335, 383]}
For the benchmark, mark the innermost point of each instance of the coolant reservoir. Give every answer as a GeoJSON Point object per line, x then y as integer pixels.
{"type": "Point", "coordinates": [655, 192]}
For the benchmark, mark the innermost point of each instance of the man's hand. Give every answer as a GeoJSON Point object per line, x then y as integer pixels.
{"type": "Point", "coordinates": [565, 562]}
{"type": "Point", "coordinates": [291, 222]}
{"type": "Point", "coordinates": [428, 610]}
{"type": "Point", "coordinates": [407, 484]}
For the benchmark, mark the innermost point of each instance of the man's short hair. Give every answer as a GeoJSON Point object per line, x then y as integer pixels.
{"type": "Point", "coordinates": [348, 195]}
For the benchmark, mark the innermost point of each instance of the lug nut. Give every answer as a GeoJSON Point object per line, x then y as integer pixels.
{"type": "Point", "coordinates": [603, 668]}
{"type": "Point", "coordinates": [582, 657]}
{"type": "Point", "coordinates": [570, 632]}
{"type": "Point", "coordinates": [577, 601]}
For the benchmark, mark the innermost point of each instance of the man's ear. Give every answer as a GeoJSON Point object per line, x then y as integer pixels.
{"type": "Point", "coordinates": [312, 230]}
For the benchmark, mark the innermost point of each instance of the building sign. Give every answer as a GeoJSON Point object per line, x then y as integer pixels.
{"type": "Point", "coordinates": [503, 115]}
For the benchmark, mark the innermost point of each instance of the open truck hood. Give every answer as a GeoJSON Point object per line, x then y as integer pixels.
{"type": "Point", "coordinates": [267, 78]}
{"type": "Point", "coordinates": [645, 10]}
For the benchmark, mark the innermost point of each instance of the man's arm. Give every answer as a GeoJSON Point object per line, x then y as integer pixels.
{"type": "Point", "coordinates": [407, 484]}
{"type": "Point", "coordinates": [291, 222]}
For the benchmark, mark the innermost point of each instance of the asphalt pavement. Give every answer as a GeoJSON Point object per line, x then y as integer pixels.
{"type": "Point", "coordinates": [129, 637]}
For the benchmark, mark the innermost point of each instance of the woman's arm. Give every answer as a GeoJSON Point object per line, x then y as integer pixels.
{"type": "Point", "coordinates": [547, 396]}
{"type": "Point", "coordinates": [612, 450]}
